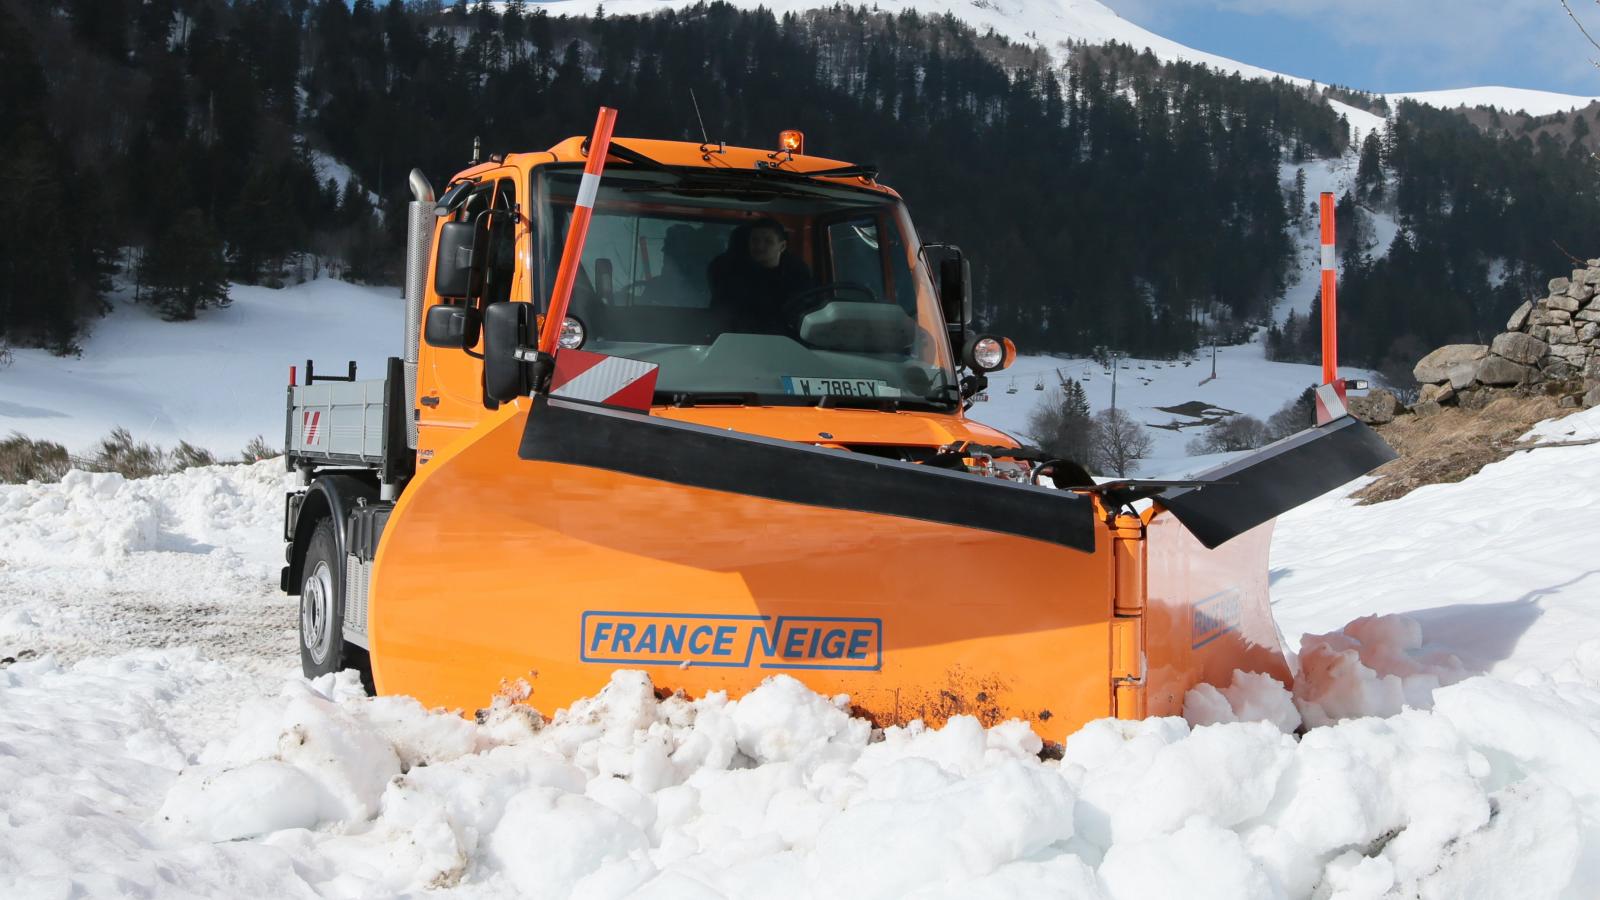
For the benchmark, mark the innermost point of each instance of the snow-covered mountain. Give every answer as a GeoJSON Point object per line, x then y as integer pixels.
{"type": "Point", "coordinates": [1053, 24]}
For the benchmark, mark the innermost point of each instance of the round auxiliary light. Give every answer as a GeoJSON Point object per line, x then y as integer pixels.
{"type": "Point", "coordinates": [572, 334]}
{"type": "Point", "coordinates": [792, 141]}
{"type": "Point", "coordinates": [988, 353]}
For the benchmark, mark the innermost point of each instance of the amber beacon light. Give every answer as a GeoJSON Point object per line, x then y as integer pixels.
{"type": "Point", "coordinates": [792, 141]}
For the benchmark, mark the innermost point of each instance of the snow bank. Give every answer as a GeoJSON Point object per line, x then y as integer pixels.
{"type": "Point", "coordinates": [318, 790]}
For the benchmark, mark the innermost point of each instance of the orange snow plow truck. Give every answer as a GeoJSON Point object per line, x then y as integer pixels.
{"type": "Point", "coordinates": [698, 410]}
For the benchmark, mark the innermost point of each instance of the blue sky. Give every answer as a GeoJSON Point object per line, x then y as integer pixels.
{"type": "Point", "coordinates": [1390, 45]}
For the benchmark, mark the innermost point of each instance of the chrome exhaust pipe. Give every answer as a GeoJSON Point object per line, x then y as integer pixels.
{"type": "Point", "coordinates": [419, 240]}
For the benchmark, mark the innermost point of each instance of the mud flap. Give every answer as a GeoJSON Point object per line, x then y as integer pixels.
{"type": "Point", "coordinates": [1239, 495]}
{"type": "Point", "coordinates": [682, 453]}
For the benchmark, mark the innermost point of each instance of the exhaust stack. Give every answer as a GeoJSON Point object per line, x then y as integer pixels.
{"type": "Point", "coordinates": [419, 238]}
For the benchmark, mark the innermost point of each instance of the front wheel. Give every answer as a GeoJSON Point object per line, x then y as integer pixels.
{"type": "Point", "coordinates": [322, 645]}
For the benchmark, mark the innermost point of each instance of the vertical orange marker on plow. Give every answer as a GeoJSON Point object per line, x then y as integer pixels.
{"type": "Point", "coordinates": [1330, 395]}
{"type": "Point", "coordinates": [572, 252]}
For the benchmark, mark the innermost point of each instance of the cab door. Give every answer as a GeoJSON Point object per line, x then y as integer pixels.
{"type": "Point", "coordinates": [450, 395]}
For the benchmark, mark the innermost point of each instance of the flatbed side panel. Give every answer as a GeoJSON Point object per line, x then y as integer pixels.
{"type": "Point", "coordinates": [338, 421]}
{"type": "Point", "coordinates": [584, 570]}
{"type": "Point", "coordinates": [1208, 612]}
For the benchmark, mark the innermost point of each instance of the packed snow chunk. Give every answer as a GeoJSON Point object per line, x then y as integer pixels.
{"type": "Point", "coordinates": [1531, 848]}
{"type": "Point", "coordinates": [964, 829]}
{"type": "Point", "coordinates": [419, 736]}
{"type": "Point", "coordinates": [1229, 773]}
{"type": "Point", "coordinates": [1199, 861]}
{"type": "Point", "coordinates": [1060, 875]}
{"type": "Point", "coordinates": [1251, 697]}
{"type": "Point", "coordinates": [255, 799]}
{"type": "Point", "coordinates": [1405, 785]}
{"type": "Point", "coordinates": [550, 842]}
{"type": "Point", "coordinates": [783, 720]}
{"type": "Point", "coordinates": [1375, 666]}
{"type": "Point", "coordinates": [1548, 728]}
{"type": "Point", "coordinates": [1352, 876]}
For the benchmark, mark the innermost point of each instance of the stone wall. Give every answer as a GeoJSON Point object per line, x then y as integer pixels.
{"type": "Point", "coordinates": [1550, 346]}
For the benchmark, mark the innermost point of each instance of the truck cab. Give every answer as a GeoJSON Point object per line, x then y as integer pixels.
{"type": "Point", "coordinates": [836, 335]}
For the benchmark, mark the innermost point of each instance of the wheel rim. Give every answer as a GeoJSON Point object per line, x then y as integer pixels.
{"type": "Point", "coordinates": [316, 612]}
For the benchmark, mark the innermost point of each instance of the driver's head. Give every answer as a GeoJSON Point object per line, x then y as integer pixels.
{"type": "Point", "coordinates": [768, 239]}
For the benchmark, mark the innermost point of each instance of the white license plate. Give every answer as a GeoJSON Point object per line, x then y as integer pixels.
{"type": "Point", "coordinates": [838, 387]}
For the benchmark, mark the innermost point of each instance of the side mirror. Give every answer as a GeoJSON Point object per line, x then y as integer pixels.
{"type": "Point", "coordinates": [456, 270]}
{"type": "Point", "coordinates": [452, 326]}
{"type": "Point", "coordinates": [603, 279]}
{"type": "Point", "coordinates": [955, 290]}
{"type": "Point", "coordinates": [506, 326]}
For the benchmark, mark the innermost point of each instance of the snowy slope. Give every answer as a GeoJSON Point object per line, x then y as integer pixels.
{"type": "Point", "coordinates": [204, 767]}
{"type": "Point", "coordinates": [215, 382]}
{"type": "Point", "coordinates": [1534, 103]}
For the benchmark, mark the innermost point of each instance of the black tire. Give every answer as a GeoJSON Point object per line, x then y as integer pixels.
{"type": "Point", "coordinates": [322, 645]}
{"type": "Point", "coordinates": [322, 604]}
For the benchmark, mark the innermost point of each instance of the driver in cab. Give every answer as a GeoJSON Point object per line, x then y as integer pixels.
{"type": "Point", "coordinates": [756, 278]}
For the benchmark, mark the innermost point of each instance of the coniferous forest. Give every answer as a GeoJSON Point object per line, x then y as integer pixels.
{"type": "Point", "coordinates": [1113, 201]}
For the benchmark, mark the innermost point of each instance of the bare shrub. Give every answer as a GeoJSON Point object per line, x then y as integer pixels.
{"type": "Point", "coordinates": [257, 450]}
{"type": "Point", "coordinates": [1237, 433]}
{"type": "Point", "coordinates": [188, 456]}
{"type": "Point", "coordinates": [118, 452]}
{"type": "Point", "coordinates": [23, 459]}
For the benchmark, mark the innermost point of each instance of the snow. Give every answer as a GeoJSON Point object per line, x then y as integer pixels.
{"type": "Point", "coordinates": [216, 381]}
{"type": "Point", "coordinates": [1534, 103]}
{"type": "Point", "coordinates": [1449, 698]}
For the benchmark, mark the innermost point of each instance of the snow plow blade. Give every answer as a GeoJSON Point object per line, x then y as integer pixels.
{"type": "Point", "coordinates": [1233, 498]}
{"type": "Point", "coordinates": [712, 559]}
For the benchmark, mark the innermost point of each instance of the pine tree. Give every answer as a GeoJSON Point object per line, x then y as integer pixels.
{"type": "Point", "coordinates": [185, 269]}
{"type": "Point", "coordinates": [1063, 425]}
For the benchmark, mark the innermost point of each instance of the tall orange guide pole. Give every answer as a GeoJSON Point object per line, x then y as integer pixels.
{"type": "Point", "coordinates": [1330, 302]}
{"type": "Point", "coordinates": [567, 274]}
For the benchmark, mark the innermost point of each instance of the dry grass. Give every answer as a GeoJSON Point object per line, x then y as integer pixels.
{"type": "Point", "coordinates": [23, 459]}
{"type": "Point", "coordinates": [1454, 444]}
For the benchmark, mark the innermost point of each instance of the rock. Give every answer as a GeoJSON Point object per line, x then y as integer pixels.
{"type": "Point", "coordinates": [1559, 285]}
{"type": "Point", "coordinates": [1567, 402]}
{"type": "Point", "coordinates": [1447, 394]}
{"type": "Point", "coordinates": [1520, 317]}
{"type": "Point", "coordinates": [1462, 376]}
{"type": "Point", "coordinates": [1562, 334]}
{"type": "Point", "coordinates": [1587, 332]}
{"type": "Point", "coordinates": [1426, 408]}
{"type": "Point", "coordinates": [1542, 332]}
{"type": "Point", "coordinates": [1378, 407]}
{"type": "Point", "coordinates": [1436, 366]}
{"type": "Point", "coordinates": [1501, 371]}
{"type": "Point", "coordinates": [1592, 274]}
{"type": "Point", "coordinates": [1475, 399]}
{"type": "Point", "coordinates": [1563, 303]}
{"type": "Point", "coordinates": [1431, 392]}
{"type": "Point", "coordinates": [1594, 263]}
{"type": "Point", "coordinates": [1588, 315]}
{"type": "Point", "coordinates": [1577, 276]}
{"type": "Point", "coordinates": [1580, 292]}
{"type": "Point", "coordinates": [1576, 354]}
{"type": "Point", "coordinates": [1543, 317]}
{"type": "Point", "coordinates": [1558, 317]}
{"type": "Point", "coordinates": [1592, 398]}
{"type": "Point", "coordinates": [1519, 348]}
{"type": "Point", "coordinates": [1557, 369]}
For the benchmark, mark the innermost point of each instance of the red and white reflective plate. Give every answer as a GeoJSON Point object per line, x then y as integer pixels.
{"type": "Point", "coordinates": [607, 380]}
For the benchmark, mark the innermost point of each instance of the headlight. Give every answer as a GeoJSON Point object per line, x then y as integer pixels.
{"type": "Point", "coordinates": [985, 353]}
{"type": "Point", "coordinates": [988, 353]}
{"type": "Point", "coordinates": [573, 333]}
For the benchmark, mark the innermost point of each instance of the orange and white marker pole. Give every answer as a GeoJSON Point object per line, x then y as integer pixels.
{"type": "Point", "coordinates": [577, 230]}
{"type": "Point", "coordinates": [1330, 395]}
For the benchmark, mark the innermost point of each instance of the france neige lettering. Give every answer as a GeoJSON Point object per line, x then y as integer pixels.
{"type": "Point", "coordinates": [732, 641]}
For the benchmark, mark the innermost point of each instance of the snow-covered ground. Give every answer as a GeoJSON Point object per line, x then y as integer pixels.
{"type": "Point", "coordinates": [155, 739]}
{"type": "Point", "coordinates": [215, 382]}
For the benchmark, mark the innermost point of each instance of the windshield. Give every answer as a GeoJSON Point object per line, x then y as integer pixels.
{"type": "Point", "coordinates": [748, 291]}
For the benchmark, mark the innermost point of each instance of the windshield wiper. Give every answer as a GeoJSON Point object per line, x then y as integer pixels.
{"type": "Point", "coordinates": [705, 398]}
{"type": "Point", "coordinates": [882, 404]}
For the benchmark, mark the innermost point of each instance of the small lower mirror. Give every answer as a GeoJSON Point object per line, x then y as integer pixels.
{"type": "Point", "coordinates": [505, 327]}
{"type": "Point", "coordinates": [451, 326]}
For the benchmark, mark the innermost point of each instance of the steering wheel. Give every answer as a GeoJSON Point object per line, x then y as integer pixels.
{"type": "Point", "coordinates": [802, 303]}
